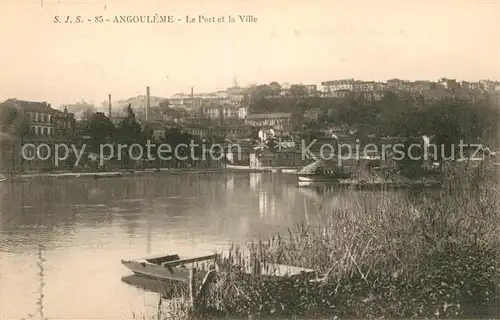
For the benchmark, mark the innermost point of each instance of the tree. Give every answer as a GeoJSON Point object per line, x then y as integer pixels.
{"type": "Point", "coordinates": [276, 87]}
{"type": "Point", "coordinates": [297, 90]}
{"type": "Point", "coordinates": [100, 129]}
{"type": "Point", "coordinates": [164, 104]}
{"type": "Point", "coordinates": [88, 113]}
{"type": "Point", "coordinates": [178, 140]}
{"type": "Point", "coordinates": [262, 91]}
{"type": "Point", "coordinates": [130, 132]}
{"type": "Point", "coordinates": [14, 124]}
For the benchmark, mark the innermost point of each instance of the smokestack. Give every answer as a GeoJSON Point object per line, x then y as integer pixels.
{"type": "Point", "coordinates": [109, 106]}
{"type": "Point", "coordinates": [147, 103]}
{"type": "Point", "coordinates": [192, 98]}
{"type": "Point", "coordinates": [221, 114]}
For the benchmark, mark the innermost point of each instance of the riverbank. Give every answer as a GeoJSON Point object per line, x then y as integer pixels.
{"type": "Point", "coordinates": [262, 169]}
{"type": "Point", "coordinates": [126, 173]}
{"type": "Point", "coordinates": [108, 174]}
{"type": "Point", "coordinates": [438, 259]}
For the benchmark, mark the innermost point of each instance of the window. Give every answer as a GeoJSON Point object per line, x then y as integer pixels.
{"type": "Point", "coordinates": [33, 130]}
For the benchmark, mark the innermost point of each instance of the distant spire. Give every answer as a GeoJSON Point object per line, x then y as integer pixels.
{"type": "Point", "coordinates": [235, 81]}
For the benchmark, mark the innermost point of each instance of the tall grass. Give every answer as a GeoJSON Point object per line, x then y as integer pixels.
{"type": "Point", "coordinates": [41, 285]}
{"type": "Point", "coordinates": [432, 254]}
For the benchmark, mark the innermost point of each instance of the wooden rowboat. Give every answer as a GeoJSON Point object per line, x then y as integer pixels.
{"type": "Point", "coordinates": [171, 267]}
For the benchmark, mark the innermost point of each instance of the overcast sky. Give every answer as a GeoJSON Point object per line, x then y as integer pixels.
{"type": "Point", "coordinates": [292, 41]}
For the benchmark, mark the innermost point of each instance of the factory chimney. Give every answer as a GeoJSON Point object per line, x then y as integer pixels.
{"type": "Point", "coordinates": [147, 103]}
{"type": "Point", "coordinates": [109, 106]}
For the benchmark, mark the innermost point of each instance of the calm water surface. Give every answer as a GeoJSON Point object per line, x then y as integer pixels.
{"type": "Point", "coordinates": [86, 226]}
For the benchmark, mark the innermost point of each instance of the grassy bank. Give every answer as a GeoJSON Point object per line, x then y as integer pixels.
{"type": "Point", "coordinates": [422, 255]}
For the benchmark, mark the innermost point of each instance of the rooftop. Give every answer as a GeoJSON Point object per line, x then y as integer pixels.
{"type": "Point", "coordinates": [28, 105]}
{"type": "Point", "coordinates": [269, 115]}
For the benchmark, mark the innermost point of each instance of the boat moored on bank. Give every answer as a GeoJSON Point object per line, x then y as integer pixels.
{"type": "Point", "coordinates": [170, 267]}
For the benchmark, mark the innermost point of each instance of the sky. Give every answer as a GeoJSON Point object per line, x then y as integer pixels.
{"type": "Point", "coordinates": [292, 41]}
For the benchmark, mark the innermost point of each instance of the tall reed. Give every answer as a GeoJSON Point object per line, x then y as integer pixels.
{"type": "Point", "coordinates": [430, 254]}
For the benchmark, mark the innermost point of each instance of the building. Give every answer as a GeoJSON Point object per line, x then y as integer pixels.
{"type": "Point", "coordinates": [242, 113]}
{"type": "Point", "coordinates": [450, 84]}
{"type": "Point", "coordinates": [39, 126]}
{"type": "Point", "coordinates": [159, 129]}
{"type": "Point", "coordinates": [330, 87]}
{"type": "Point", "coordinates": [237, 91]}
{"type": "Point", "coordinates": [80, 109]}
{"type": "Point", "coordinates": [488, 85]}
{"type": "Point", "coordinates": [201, 131]}
{"type": "Point", "coordinates": [233, 131]}
{"type": "Point", "coordinates": [139, 105]}
{"type": "Point", "coordinates": [397, 84]}
{"type": "Point", "coordinates": [64, 123]}
{"type": "Point", "coordinates": [38, 116]}
{"type": "Point", "coordinates": [380, 86]}
{"type": "Point", "coordinates": [311, 90]}
{"type": "Point", "coordinates": [312, 114]}
{"type": "Point", "coordinates": [181, 100]}
{"type": "Point", "coordinates": [284, 122]}
{"type": "Point", "coordinates": [82, 130]}
{"type": "Point", "coordinates": [221, 112]}
{"type": "Point", "coordinates": [232, 97]}
{"type": "Point", "coordinates": [420, 86]}
{"type": "Point", "coordinates": [470, 85]}
{"type": "Point", "coordinates": [364, 86]}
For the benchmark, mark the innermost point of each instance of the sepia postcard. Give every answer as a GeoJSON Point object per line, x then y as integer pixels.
{"type": "Point", "coordinates": [249, 159]}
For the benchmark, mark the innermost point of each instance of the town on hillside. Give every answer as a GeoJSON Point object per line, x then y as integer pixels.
{"type": "Point", "coordinates": [339, 108]}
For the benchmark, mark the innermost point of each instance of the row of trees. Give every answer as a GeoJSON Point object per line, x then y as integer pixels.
{"type": "Point", "coordinates": [449, 121]}
{"type": "Point", "coordinates": [402, 115]}
{"type": "Point", "coordinates": [129, 131]}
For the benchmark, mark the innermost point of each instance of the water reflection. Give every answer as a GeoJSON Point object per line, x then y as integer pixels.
{"type": "Point", "coordinates": [87, 225]}
{"type": "Point", "coordinates": [254, 180]}
{"type": "Point", "coordinates": [167, 289]}
{"type": "Point", "coordinates": [230, 182]}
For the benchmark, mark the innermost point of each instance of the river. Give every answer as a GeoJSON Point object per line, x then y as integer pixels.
{"type": "Point", "coordinates": [87, 225]}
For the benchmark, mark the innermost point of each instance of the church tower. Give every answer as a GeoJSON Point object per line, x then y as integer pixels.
{"type": "Point", "coordinates": [235, 82]}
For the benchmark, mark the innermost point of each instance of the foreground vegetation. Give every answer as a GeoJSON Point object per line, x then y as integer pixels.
{"type": "Point", "coordinates": [430, 255]}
